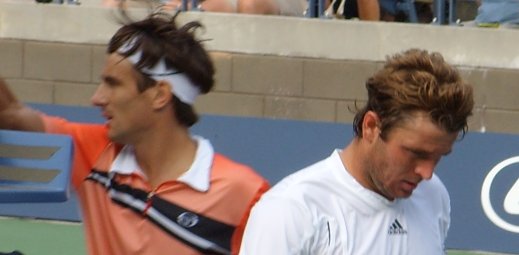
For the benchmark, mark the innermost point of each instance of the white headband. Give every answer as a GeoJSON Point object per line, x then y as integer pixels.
{"type": "Point", "coordinates": [181, 85]}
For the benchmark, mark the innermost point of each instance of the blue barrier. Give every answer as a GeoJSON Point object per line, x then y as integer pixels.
{"type": "Point", "coordinates": [34, 167]}
{"type": "Point", "coordinates": [464, 174]}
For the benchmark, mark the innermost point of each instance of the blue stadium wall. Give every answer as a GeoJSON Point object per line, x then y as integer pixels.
{"type": "Point", "coordinates": [276, 148]}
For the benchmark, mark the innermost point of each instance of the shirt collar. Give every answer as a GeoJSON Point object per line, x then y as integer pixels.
{"type": "Point", "coordinates": [198, 176]}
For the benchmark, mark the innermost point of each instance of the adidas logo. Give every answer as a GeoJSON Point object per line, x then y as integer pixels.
{"type": "Point", "coordinates": [396, 229]}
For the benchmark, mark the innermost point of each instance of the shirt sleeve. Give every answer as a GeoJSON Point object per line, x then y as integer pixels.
{"type": "Point", "coordinates": [445, 220]}
{"type": "Point", "coordinates": [439, 201]}
{"type": "Point", "coordinates": [238, 233]}
{"type": "Point", "coordinates": [278, 226]}
{"type": "Point", "coordinates": [89, 142]}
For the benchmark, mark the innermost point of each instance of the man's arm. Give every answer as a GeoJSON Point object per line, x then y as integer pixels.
{"type": "Point", "coordinates": [15, 115]}
{"type": "Point", "coordinates": [369, 10]}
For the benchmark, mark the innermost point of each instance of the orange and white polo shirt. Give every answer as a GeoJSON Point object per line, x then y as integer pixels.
{"type": "Point", "coordinates": [202, 212]}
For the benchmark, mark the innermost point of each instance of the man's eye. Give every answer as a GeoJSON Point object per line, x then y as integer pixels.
{"type": "Point", "coordinates": [420, 154]}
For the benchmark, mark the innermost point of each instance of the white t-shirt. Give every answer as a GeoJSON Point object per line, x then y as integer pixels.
{"type": "Point", "coordinates": [322, 209]}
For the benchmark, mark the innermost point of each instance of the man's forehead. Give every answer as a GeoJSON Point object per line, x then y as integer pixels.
{"type": "Point", "coordinates": [118, 63]}
{"type": "Point", "coordinates": [117, 67]}
{"type": "Point", "coordinates": [116, 58]}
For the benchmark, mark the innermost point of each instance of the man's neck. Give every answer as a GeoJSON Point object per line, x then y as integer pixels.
{"type": "Point", "coordinates": [352, 159]}
{"type": "Point", "coordinates": [165, 156]}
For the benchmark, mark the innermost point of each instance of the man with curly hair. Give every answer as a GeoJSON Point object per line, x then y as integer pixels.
{"type": "Point", "coordinates": [378, 195]}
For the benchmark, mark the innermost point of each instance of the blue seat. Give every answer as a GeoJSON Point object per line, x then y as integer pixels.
{"type": "Point", "coordinates": [34, 167]}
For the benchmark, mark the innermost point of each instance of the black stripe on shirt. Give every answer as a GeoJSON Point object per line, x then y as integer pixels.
{"type": "Point", "coordinates": [208, 236]}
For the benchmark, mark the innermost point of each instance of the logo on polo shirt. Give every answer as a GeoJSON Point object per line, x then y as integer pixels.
{"type": "Point", "coordinates": [187, 219]}
{"type": "Point", "coordinates": [396, 228]}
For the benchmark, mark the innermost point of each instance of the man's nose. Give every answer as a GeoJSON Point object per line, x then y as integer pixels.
{"type": "Point", "coordinates": [425, 169]}
{"type": "Point", "coordinates": [99, 96]}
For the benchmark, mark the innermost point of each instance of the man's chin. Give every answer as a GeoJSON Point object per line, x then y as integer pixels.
{"type": "Point", "coordinates": [404, 194]}
{"type": "Point", "coordinates": [114, 137]}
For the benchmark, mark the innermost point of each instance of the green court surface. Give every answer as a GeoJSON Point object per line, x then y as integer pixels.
{"type": "Point", "coordinates": [457, 252]}
{"type": "Point", "coordinates": [39, 237]}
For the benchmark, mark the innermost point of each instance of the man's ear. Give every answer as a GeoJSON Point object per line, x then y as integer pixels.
{"type": "Point", "coordinates": [162, 95]}
{"type": "Point", "coordinates": [370, 126]}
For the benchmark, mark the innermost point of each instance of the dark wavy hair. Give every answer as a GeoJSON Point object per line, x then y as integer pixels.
{"type": "Point", "coordinates": [158, 37]}
{"type": "Point", "coordinates": [416, 80]}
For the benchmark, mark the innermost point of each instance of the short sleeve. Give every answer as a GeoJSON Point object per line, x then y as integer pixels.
{"type": "Point", "coordinates": [277, 226]}
{"type": "Point", "coordinates": [445, 218]}
{"type": "Point", "coordinates": [89, 142]}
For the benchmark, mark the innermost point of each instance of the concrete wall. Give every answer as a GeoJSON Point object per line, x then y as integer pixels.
{"type": "Point", "coordinates": [273, 67]}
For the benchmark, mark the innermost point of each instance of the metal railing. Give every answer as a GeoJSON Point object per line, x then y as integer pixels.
{"type": "Point", "coordinates": [440, 11]}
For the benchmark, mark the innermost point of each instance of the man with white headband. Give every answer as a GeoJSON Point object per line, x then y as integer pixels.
{"type": "Point", "coordinates": [145, 184]}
